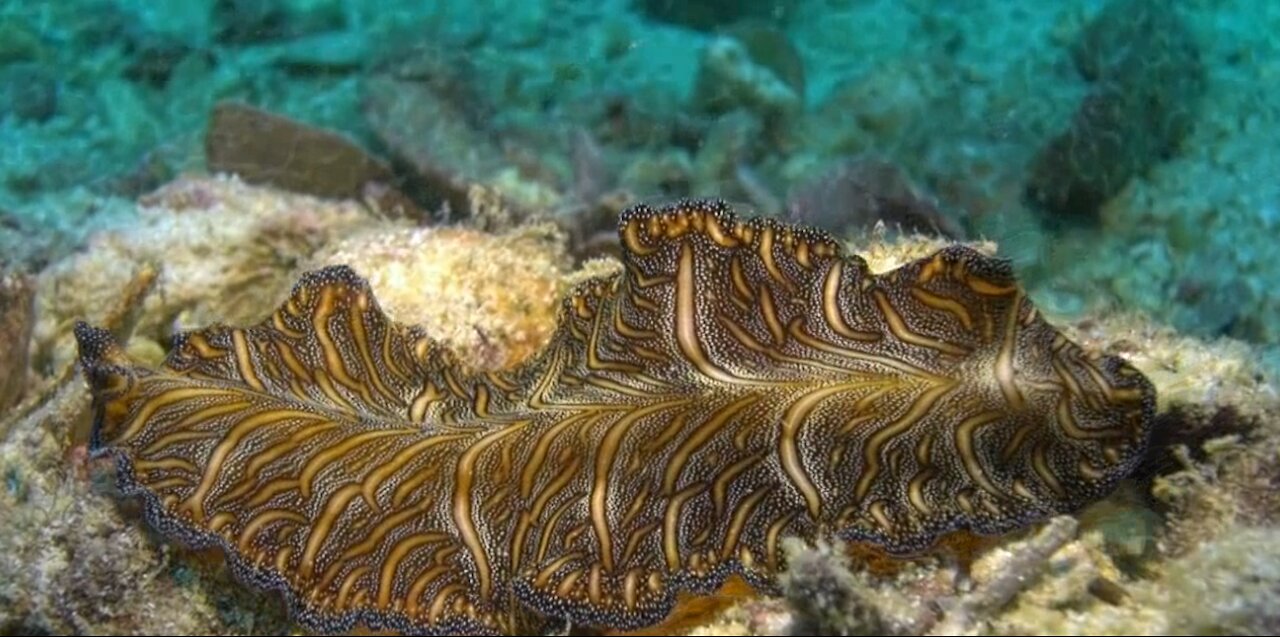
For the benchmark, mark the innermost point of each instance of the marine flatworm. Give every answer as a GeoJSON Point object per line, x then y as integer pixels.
{"type": "Point", "coordinates": [738, 382]}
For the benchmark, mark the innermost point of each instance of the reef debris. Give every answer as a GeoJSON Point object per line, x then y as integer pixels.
{"type": "Point", "coordinates": [1026, 562]}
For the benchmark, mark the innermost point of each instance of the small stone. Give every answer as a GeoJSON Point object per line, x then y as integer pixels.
{"type": "Point", "coordinates": [265, 148]}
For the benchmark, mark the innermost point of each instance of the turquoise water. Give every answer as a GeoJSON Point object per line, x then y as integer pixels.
{"type": "Point", "coordinates": [1122, 155]}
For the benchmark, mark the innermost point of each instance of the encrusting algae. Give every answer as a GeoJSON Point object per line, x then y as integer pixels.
{"type": "Point", "coordinates": [737, 383]}
{"type": "Point", "coordinates": [507, 298]}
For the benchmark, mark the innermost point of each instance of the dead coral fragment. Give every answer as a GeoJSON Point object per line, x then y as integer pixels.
{"type": "Point", "coordinates": [1026, 561]}
{"type": "Point", "coordinates": [827, 598]}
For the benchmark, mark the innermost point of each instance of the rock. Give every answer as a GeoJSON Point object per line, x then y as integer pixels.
{"type": "Point", "coordinates": [264, 148]}
{"type": "Point", "coordinates": [16, 318]}
{"type": "Point", "coordinates": [729, 78]}
{"type": "Point", "coordinates": [1147, 76]}
{"type": "Point", "coordinates": [769, 46]}
{"type": "Point", "coordinates": [432, 138]}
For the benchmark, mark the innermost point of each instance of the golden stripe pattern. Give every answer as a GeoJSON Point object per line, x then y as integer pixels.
{"type": "Point", "coordinates": [738, 382]}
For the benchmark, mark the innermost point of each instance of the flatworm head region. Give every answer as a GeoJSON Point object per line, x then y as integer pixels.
{"type": "Point", "coordinates": [740, 381]}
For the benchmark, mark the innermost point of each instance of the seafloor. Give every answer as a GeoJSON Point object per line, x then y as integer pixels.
{"type": "Point", "coordinates": [172, 165]}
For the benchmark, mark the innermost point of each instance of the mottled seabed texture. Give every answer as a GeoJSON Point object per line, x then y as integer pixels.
{"type": "Point", "coordinates": [640, 316]}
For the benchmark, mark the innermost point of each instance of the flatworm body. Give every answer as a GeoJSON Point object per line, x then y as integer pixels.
{"type": "Point", "coordinates": [739, 382]}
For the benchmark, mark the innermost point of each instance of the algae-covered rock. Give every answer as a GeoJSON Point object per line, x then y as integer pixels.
{"type": "Point", "coordinates": [19, 42]}
{"type": "Point", "coordinates": [441, 149]}
{"type": "Point", "coordinates": [856, 193]}
{"type": "Point", "coordinates": [223, 249]}
{"type": "Point", "coordinates": [266, 148]}
{"type": "Point", "coordinates": [828, 598]}
{"type": "Point", "coordinates": [1230, 586]}
{"type": "Point", "coordinates": [16, 318]}
{"type": "Point", "coordinates": [492, 298]}
{"type": "Point", "coordinates": [74, 560]}
{"type": "Point", "coordinates": [728, 78]}
{"type": "Point", "coordinates": [1147, 77]}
